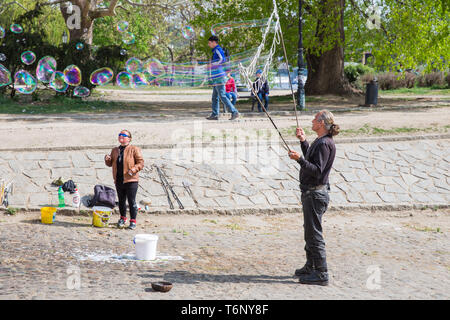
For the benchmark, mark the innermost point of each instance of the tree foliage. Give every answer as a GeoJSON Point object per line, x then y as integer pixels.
{"type": "Point", "coordinates": [410, 33]}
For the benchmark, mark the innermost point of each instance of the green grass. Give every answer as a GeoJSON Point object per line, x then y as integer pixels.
{"type": "Point", "coordinates": [11, 211]}
{"type": "Point", "coordinates": [367, 129]}
{"type": "Point", "coordinates": [55, 105]}
{"type": "Point", "coordinates": [426, 229]}
{"type": "Point", "coordinates": [439, 90]}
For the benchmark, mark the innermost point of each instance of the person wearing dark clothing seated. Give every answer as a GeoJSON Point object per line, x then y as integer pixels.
{"type": "Point", "coordinates": [315, 167]}
{"type": "Point", "coordinates": [262, 91]}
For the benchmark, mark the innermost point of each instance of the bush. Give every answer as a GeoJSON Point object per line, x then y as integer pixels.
{"type": "Point", "coordinates": [391, 81]}
{"type": "Point", "coordinates": [434, 79]}
{"type": "Point", "coordinates": [388, 81]}
{"type": "Point", "coordinates": [353, 72]}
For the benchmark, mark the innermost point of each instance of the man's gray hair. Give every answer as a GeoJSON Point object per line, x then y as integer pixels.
{"type": "Point", "coordinates": [327, 117]}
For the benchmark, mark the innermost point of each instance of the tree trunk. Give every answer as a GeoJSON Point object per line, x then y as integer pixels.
{"type": "Point", "coordinates": [326, 70]}
{"type": "Point", "coordinates": [80, 28]}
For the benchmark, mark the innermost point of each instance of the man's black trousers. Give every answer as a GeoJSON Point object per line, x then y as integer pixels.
{"type": "Point", "coordinates": [315, 203]}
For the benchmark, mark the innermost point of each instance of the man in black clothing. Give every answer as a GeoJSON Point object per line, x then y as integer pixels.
{"type": "Point", "coordinates": [315, 164]}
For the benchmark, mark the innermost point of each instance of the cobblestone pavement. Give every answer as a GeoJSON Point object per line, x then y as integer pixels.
{"type": "Point", "coordinates": [249, 177]}
{"type": "Point", "coordinates": [371, 255]}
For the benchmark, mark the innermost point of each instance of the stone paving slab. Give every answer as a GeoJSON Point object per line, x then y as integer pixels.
{"type": "Point", "coordinates": [371, 173]}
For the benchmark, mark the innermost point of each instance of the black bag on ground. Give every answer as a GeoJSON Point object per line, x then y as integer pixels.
{"type": "Point", "coordinates": [103, 196]}
{"type": "Point", "coordinates": [69, 185]}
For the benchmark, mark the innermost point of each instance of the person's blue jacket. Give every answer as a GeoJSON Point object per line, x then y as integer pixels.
{"type": "Point", "coordinates": [217, 65]}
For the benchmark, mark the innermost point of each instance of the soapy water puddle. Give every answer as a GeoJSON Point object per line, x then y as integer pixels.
{"type": "Point", "coordinates": [124, 258]}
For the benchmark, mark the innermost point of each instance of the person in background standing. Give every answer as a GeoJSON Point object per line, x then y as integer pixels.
{"type": "Point", "coordinates": [218, 81]}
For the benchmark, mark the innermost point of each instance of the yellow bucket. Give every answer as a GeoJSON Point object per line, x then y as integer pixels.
{"type": "Point", "coordinates": [101, 216]}
{"type": "Point", "coordinates": [48, 215]}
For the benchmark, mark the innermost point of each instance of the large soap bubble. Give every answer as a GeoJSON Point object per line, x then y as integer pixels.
{"type": "Point", "coordinates": [16, 28]}
{"type": "Point", "coordinates": [139, 80]}
{"type": "Point", "coordinates": [122, 26]}
{"type": "Point", "coordinates": [101, 76]}
{"type": "Point", "coordinates": [154, 67]}
{"type": "Point", "coordinates": [133, 65]}
{"type": "Point", "coordinates": [5, 76]}
{"type": "Point", "coordinates": [2, 33]}
{"type": "Point", "coordinates": [28, 57]}
{"type": "Point", "coordinates": [81, 92]}
{"type": "Point", "coordinates": [58, 82]}
{"type": "Point", "coordinates": [124, 79]}
{"type": "Point", "coordinates": [187, 32]}
{"type": "Point", "coordinates": [45, 69]}
{"type": "Point", "coordinates": [72, 75]}
{"type": "Point", "coordinates": [128, 38]}
{"type": "Point", "coordinates": [24, 82]}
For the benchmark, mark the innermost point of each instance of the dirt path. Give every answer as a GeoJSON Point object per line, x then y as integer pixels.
{"type": "Point", "coordinates": [371, 255]}
{"type": "Point", "coordinates": [95, 130]}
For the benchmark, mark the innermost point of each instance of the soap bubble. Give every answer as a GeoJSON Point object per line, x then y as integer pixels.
{"type": "Point", "coordinates": [58, 82]}
{"type": "Point", "coordinates": [124, 79]}
{"type": "Point", "coordinates": [188, 32]}
{"type": "Point", "coordinates": [123, 52]}
{"type": "Point", "coordinates": [81, 92]}
{"type": "Point", "coordinates": [139, 80]}
{"type": "Point", "coordinates": [2, 33]}
{"type": "Point", "coordinates": [28, 57]}
{"type": "Point", "coordinates": [226, 27]}
{"type": "Point", "coordinates": [2, 57]}
{"type": "Point", "coordinates": [202, 33]}
{"type": "Point", "coordinates": [24, 82]}
{"type": "Point", "coordinates": [128, 38]}
{"type": "Point", "coordinates": [134, 65]}
{"type": "Point", "coordinates": [5, 76]}
{"type": "Point", "coordinates": [79, 46]}
{"type": "Point", "coordinates": [16, 28]}
{"type": "Point", "coordinates": [101, 76]}
{"type": "Point", "coordinates": [72, 75]}
{"type": "Point", "coordinates": [122, 26]}
{"type": "Point", "coordinates": [154, 67]}
{"type": "Point", "coordinates": [45, 69]}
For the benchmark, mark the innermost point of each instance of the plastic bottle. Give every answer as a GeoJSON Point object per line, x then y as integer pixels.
{"type": "Point", "coordinates": [76, 199]}
{"type": "Point", "coordinates": [62, 203]}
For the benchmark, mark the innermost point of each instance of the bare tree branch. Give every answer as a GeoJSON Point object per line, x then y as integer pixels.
{"type": "Point", "coordinates": [53, 2]}
{"type": "Point", "coordinates": [110, 11]}
{"type": "Point", "coordinates": [6, 5]}
{"type": "Point", "coordinates": [162, 6]}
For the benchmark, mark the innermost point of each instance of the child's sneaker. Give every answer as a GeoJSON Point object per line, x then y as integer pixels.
{"type": "Point", "coordinates": [121, 222]}
{"type": "Point", "coordinates": [132, 225]}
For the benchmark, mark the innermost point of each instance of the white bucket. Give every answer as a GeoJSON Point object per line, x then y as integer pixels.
{"type": "Point", "coordinates": [145, 245]}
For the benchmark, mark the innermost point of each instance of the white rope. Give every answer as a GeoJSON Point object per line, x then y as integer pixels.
{"type": "Point", "coordinates": [248, 72]}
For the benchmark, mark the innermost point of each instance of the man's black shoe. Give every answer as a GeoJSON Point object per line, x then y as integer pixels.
{"type": "Point", "coordinates": [305, 270]}
{"type": "Point", "coordinates": [211, 117]}
{"type": "Point", "coordinates": [315, 277]}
